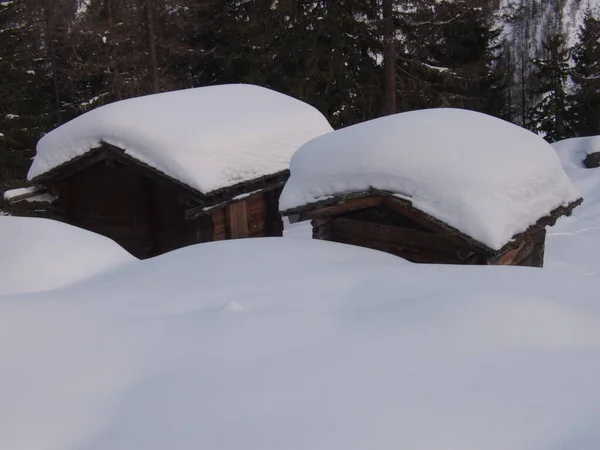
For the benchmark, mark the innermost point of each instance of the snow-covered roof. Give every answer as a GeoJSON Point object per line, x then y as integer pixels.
{"type": "Point", "coordinates": [20, 192]}
{"type": "Point", "coordinates": [207, 138]}
{"type": "Point", "coordinates": [485, 177]}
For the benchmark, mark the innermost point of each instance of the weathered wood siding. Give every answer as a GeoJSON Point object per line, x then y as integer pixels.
{"type": "Point", "coordinates": [372, 223]}
{"type": "Point", "coordinates": [147, 217]}
{"type": "Point", "coordinates": [117, 201]}
{"type": "Point", "coordinates": [257, 216]}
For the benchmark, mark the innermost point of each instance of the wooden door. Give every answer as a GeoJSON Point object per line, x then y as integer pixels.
{"type": "Point", "coordinates": [237, 216]}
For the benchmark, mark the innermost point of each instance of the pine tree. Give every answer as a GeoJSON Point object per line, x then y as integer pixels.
{"type": "Point", "coordinates": [550, 113]}
{"type": "Point", "coordinates": [448, 56]}
{"type": "Point", "coordinates": [322, 53]}
{"type": "Point", "coordinates": [26, 106]}
{"type": "Point", "coordinates": [586, 78]}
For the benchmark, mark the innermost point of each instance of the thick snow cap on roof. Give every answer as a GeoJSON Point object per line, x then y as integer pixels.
{"type": "Point", "coordinates": [208, 137]}
{"type": "Point", "coordinates": [484, 176]}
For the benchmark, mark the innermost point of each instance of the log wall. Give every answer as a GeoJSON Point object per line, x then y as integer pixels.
{"type": "Point", "coordinates": [371, 223]}
{"type": "Point", "coordinates": [147, 217]}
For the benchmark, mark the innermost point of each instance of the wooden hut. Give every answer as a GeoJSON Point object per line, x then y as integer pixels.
{"type": "Point", "coordinates": [419, 185]}
{"type": "Point", "coordinates": [165, 171]}
{"type": "Point", "coordinates": [382, 221]}
{"type": "Point", "coordinates": [592, 160]}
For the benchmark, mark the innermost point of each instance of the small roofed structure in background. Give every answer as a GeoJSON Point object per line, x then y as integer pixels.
{"type": "Point", "coordinates": [432, 186]}
{"type": "Point", "coordinates": [30, 194]}
{"type": "Point", "coordinates": [163, 171]}
{"type": "Point", "coordinates": [33, 201]}
{"type": "Point", "coordinates": [592, 160]}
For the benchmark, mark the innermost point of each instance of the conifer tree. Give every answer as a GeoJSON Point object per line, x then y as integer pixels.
{"type": "Point", "coordinates": [448, 56]}
{"type": "Point", "coordinates": [550, 113]}
{"type": "Point", "coordinates": [26, 106]}
{"type": "Point", "coordinates": [586, 78]}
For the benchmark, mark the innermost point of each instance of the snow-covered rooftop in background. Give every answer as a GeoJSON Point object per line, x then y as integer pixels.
{"type": "Point", "coordinates": [208, 138]}
{"type": "Point", "coordinates": [484, 176]}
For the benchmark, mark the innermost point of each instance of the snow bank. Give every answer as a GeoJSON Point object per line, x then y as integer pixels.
{"type": "Point", "coordinates": [207, 138]}
{"type": "Point", "coordinates": [574, 243]}
{"type": "Point", "coordinates": [314, 345]}
{"type": "Point", "coordinates": [41, 254]}
{"type": "Point", "coordinates": [486, 177]}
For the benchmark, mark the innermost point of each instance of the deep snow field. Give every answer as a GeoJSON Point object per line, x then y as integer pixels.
{"type": "Point", "coordinates": [294, 344]}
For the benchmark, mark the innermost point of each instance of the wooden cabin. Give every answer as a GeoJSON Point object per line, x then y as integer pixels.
{"type": "Point", "coordinates": [592, 160]}
{"type": "Point", "coordinates": [382, 221]}
{"type": "Point", "coordinates": [149, 213]}
{"type": "Point", "coordinates": [441, 185]}
{"type": "Point", "coordinates": [177, 179]}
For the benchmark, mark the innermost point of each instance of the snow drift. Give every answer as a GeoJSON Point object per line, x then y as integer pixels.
{"type": "Point", "coordinates": [41, 254]}
{"type": "Point", "coordinates": [281, 343]}
{"type": "Point", "coordinates": [486, 177]}
{"type": "Point", "coordinates": [208, 138]}
{"type": "Point", "coordinates": [574, 243]}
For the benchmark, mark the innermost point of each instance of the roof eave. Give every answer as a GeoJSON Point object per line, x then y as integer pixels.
{"type": "Point", "coordinates": [204, 199]}
{"type": "Point", "coordinates": [302, 213]}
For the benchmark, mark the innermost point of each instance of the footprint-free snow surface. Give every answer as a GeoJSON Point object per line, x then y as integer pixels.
{"type": "Point", "coordinates": [298, 344]}
{"type": "Point", "coordinates": [42, 254]}
{"type": "Point", "coordinates": [574, 243]}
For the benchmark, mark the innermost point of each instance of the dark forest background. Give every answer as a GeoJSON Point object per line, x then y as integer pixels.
{"type": "Point", "coordinates": [352, 59]}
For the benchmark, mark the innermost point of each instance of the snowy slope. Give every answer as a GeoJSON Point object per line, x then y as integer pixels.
{"type": "Point", "coordinates": [574, 243]}
{"type": "Point", "coordinates": [486, 177]}
{"type": "Point", "coordinates": [315, 346]}
{"type": "Point", "coordinates": [40, 254]}
{"type": "Point", "coordinates": [208, 138]}
{"type": "Point", "coordinates": [540, 18]}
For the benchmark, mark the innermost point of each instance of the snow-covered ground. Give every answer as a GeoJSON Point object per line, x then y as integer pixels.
{"type": "Point", "coordinates": [574, 243]}
{"type": "Point", "coordinates": [42, 254]}
{"type": "Point", "coordinates": [296, 344]}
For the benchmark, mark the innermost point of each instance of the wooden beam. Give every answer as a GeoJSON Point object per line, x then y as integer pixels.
{"type": "Point", "coordinates": [396, 235]}
{"type": "Point", "coordinates": [321, 229]}
{"type": "Point", "coordinates": [402, 251]}
{"type": "Point", "coordinates": [407, 210]}
{"type": "Point", "coordinates": [513, 256]}
{"type": "Point", "coordinates": [342, 207]}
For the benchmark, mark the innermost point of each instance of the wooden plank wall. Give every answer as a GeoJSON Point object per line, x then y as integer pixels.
{"type": "Point", "coordinates": [258, 216]}
{"type": "Point", "coordinates": [116, 200]}
{"type": "Point", "coordinates": [110, 201]}
{"type": "Point", "coordinates": [147, 217]}
{"type": "Point", "coordinates": [376, 226]}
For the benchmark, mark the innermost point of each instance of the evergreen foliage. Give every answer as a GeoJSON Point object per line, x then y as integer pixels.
{"type": "Point", "coordinates": [449, 56]}
{"type": "Point", "coordinates": [550, 115]}
{"type": "Point", "coordinates": [61, 58]}
{"type": "Point", "coordinates": [586, 78]}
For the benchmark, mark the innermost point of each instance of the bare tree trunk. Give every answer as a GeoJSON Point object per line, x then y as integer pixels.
{"type": "Point", "coordinates": [114, 59]}
{"type": "Point", "coordinates": [389, 58]}
{"type": "Point", "coordinates": [48, 31]}
{"type": "Point", "coordinates": [152, 44]}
